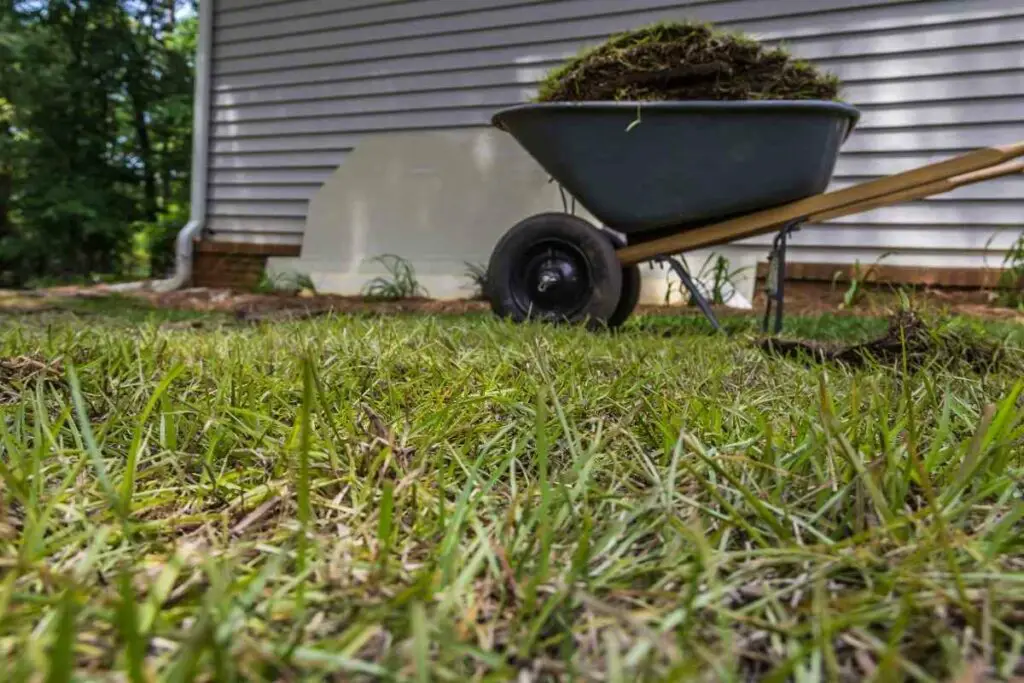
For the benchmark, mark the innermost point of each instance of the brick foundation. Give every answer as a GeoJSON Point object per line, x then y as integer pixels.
{"type": "Point", "coordinates": [237, 266]}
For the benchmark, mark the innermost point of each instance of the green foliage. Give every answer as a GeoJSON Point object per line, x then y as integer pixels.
{"type": "Point", "coordinates": [291, 283]}
{"type": "Point", "coordinates": [1012, 279]}
{"type": "Point", "coordinates": [477, 276]}
{"type": "Point", "coordinates": [95, 137]}
{"type": "Point", "coordinates": [715, 278]}
{"type": "Point", "coordinates": [399, 283]}
{"type": "Point", "coordinates": [723, 280]}
{"type": "Point", "coordinates": [859, 279]}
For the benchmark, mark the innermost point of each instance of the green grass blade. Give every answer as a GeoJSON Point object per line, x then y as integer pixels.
{"type": "Point", "coordinates": [91, 447]}
{"type": "Point", "coordinates": [421, 642]}
{"type": "Point", "coordinates": [128, 628]}
{"type": "Point", "coordinates": [131, 467]}
{"type": "Point", "coordinates": [62, 654]}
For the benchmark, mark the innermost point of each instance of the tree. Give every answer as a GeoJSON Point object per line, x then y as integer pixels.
{"type": "Point", "coordinates": [93, 136]}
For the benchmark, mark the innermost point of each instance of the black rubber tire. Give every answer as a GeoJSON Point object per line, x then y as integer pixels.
{"type": "Point", "coordinates": [629, 298]}
{"type": "Point", "coordinates": [603, 283]}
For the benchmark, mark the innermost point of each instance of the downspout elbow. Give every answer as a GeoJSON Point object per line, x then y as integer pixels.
{"type": "Point", "coordinates": [184, 258]}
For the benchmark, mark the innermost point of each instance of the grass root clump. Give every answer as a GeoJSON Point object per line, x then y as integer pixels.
{"type": "Point", "coordinates": [686, 61]}
{"type": "Point", "coordinates": [946, 343]}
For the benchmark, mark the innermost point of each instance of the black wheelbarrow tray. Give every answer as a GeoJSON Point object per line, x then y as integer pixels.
{"type": "Point", "coordinates": [671, 177]}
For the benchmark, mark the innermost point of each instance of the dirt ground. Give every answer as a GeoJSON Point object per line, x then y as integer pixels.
{"type": "Point", "coordinates": [801, 299]}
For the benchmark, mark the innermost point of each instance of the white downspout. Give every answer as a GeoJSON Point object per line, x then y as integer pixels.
{"type": "Point", "coordinates": [200, 156]}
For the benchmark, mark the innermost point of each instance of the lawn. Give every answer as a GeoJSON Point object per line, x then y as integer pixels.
{"type": "Point", "coordinates": [453, 499]}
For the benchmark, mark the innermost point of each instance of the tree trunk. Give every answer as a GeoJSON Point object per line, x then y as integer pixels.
{"type": "Point", "coordinates": [149, 206]}
{"type": "Point", "coordinates": [5, 198]}
{"type": "Point", "coordinates": [166, 188]}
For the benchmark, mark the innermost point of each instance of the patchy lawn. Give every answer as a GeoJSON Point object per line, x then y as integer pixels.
{"type": "Point", "coordinates": [424, 498]}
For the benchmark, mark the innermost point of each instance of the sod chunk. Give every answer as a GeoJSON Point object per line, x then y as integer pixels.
{"type": "Point", "coordinates": [686, 61]}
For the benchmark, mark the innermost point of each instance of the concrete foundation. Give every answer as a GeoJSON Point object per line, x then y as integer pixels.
{"type": "Point", "coordinates": [442, 200]}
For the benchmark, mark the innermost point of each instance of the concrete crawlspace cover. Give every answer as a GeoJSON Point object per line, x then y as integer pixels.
{"type": "Point", "coordinates": [442, 200]}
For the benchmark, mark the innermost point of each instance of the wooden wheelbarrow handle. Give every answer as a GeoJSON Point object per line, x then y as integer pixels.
{"type": "Point", "coordinates": [973, 167]}
{"type": "Point", "coordinates": [922, 191]}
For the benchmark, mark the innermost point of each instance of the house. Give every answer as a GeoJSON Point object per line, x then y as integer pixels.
{"type": "Point", "coordinates": [324, 127]}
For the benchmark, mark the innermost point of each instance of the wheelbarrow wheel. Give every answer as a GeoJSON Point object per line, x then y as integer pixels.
{"type": "Point", "coordinates": [629, 298]}
{"type": "Point", "coordinates": [555, 267]}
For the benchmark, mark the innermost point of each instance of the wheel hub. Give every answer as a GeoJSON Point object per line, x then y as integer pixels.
{"type": "Point", "coordinates": [554, 280]}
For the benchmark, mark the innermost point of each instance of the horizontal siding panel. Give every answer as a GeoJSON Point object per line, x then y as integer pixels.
{"type": "Point", "coordinates": [910, 40]}
{"type": "Point", "coordinates": [269, 226]}
{"type": "Point", "coordinates": [866, 82]}
{"type": "Point", "coordinates": [304, 90]}
{"type": "Point", "coordinates": [1004, 110]}
{"type": "Point", "coordinates": [528, 64]}
{"type": "Point", "coordinates": [566, 37]}
{"type": "Point", "coordinates": [988, 111]}
{"type": "Point", "coordinates": [510, 60]}
{"type": "Point", "coordinates": [259, 23]}
{"type": "Point", "coordinates": [1007, 189]}
{"type": "Point", "coordinates": [324, 15]}
{"type": "Point", "coordinates": [335, 142]}
{"type": "Point", "coordinates": [938, 138]}
{"type": "Point", "coordinates": [357, 124]}
{"type": "Point", "coordinates": [276, 193]}
{"type": "Point", "coordinates": [936, 88]}
{"type": "Point", "coordinates": [454, 70]}
{"type": "Point", "coordinates": [861, 165]}
{"type": "Point", "coordinates": [475, 97]}
{"type": "Point", "coordinates": [306, 175]}
{"type": "Point", "coordinates": [888, 18]}
{"type": "Point", "coordinates": [610, 13]}
{"type": "Point", "coordinates": [263, 208]}
{"type": "Point", "coordinates": [1006, 31]}
{"type": "Point", "coordinates": [243, 7]}
{"type": "Point", "coordinates": [535, 23]}
{"type": "Point", "coordinates": [283, 160]}
{"type": "Point", "coordinates": [941, 213]}
{"type": "Point", "coordinates": [988, 59]}
{"type": "Point", "coordinates": [928, 90]}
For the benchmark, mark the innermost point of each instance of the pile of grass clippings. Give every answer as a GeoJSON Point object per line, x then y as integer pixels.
{"type": "Point", "coordinates": [686, 61]}
{"type": "Point", "coordinates": [23, 371]}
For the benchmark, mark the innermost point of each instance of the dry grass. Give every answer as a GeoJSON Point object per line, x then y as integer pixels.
{"type": "Point", "coordinates": [425, 499]}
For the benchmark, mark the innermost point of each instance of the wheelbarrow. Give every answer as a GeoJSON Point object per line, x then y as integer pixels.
{"type": "Point", "coordinates": [666, 178]}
